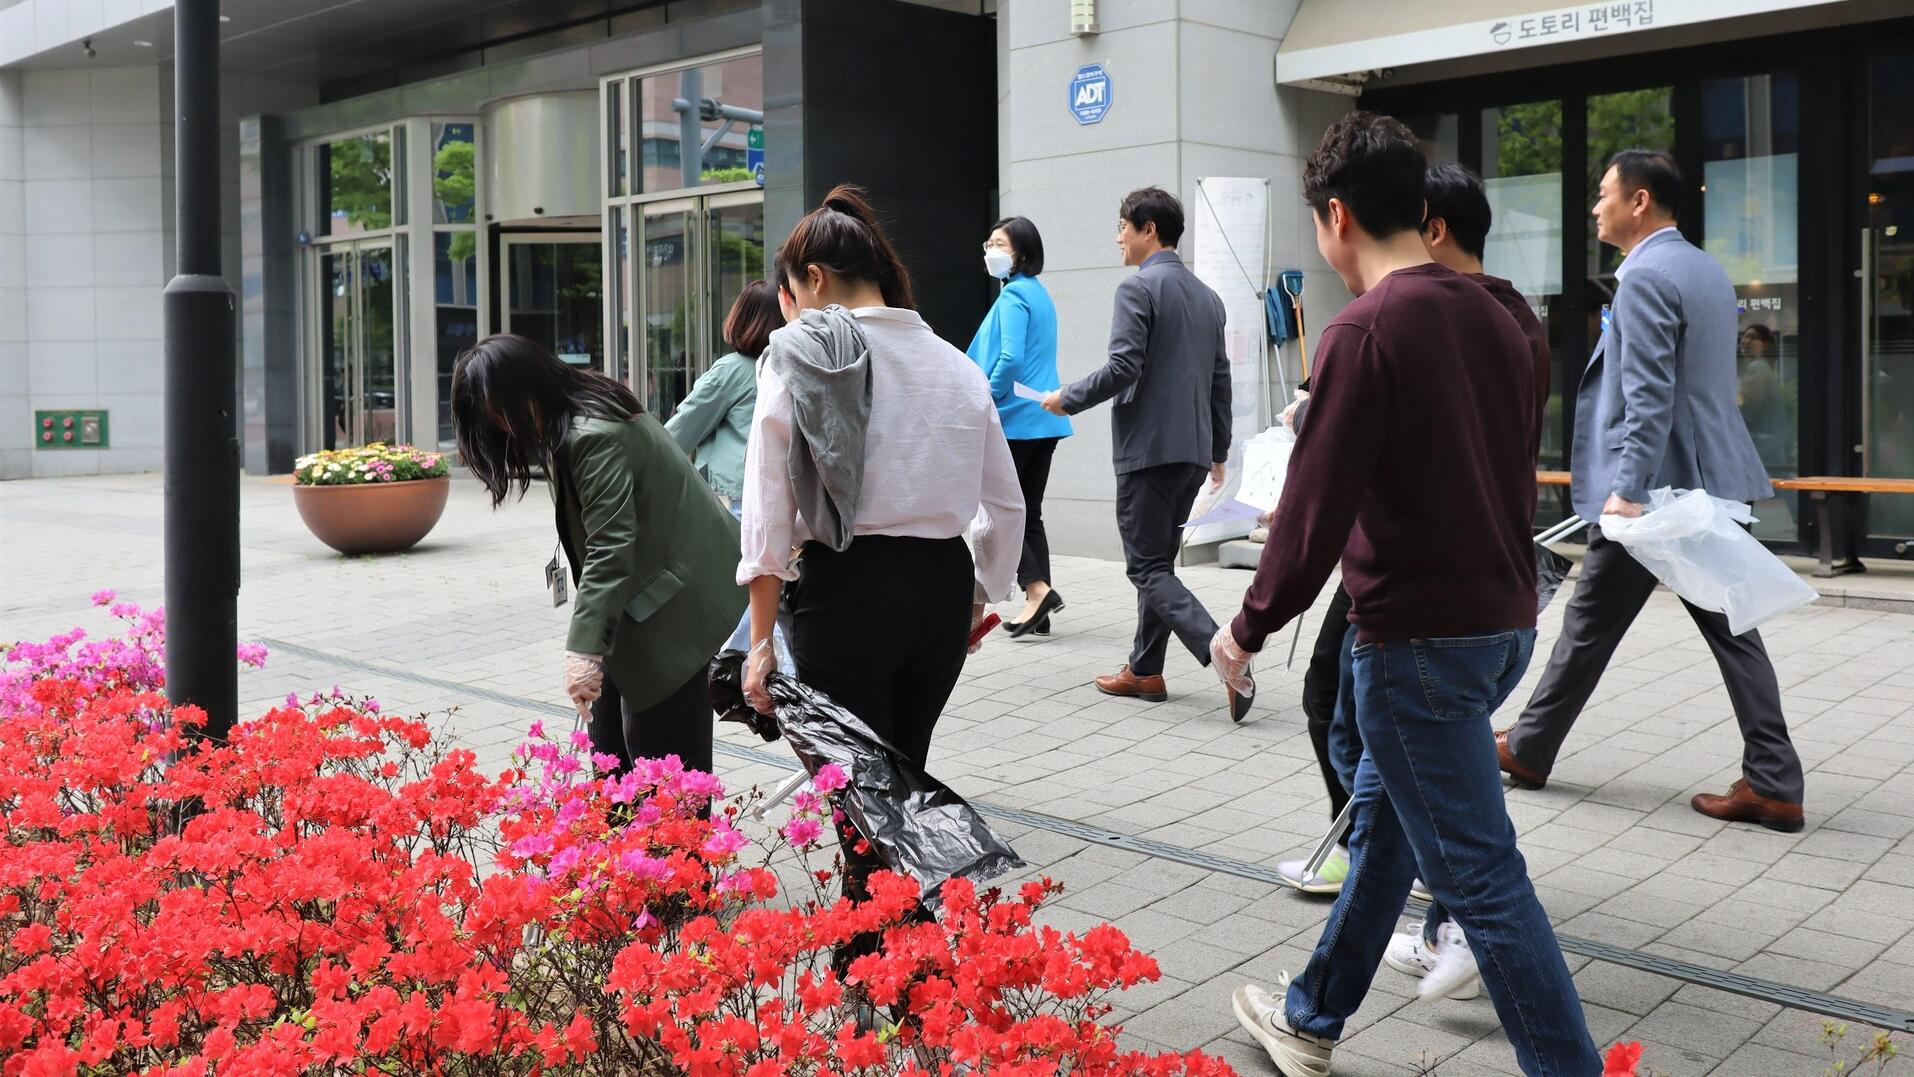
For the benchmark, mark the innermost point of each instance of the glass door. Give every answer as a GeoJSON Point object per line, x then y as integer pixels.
{"type": "Point", "coordinates": [1887, 287]}
{"type": "Point", "coordinates": [734, 239]}
{"type": "Point", "coordinates": [358, 343]}
{"type": "Point", "coordinates": [554, 294]}
{"type": "Point", "coordinates": [666, 311]}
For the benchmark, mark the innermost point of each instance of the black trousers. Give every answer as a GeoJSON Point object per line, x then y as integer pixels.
{"type": "Point", "coordinates": [679, 724]}
{"type": "Point", "coordinates": [1319, 692]}
{"type": "Point", "coordinates": [882, 628]}
{"type": "Point", "coordinates": [1611, 592]}
{"type": "Point", "coordinates": [1032, 457]}
{"type": "Point", "coordinates": [1152, 505]}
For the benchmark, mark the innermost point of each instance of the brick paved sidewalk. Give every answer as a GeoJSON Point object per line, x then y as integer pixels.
{"type": "Point", "coordinates": [463, 622]}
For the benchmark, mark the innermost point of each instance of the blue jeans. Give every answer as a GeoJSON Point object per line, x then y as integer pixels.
{"type": "Point", "coordinates": [1427, 792]}
{"type": "Point", "coordinates": [1345, 752]}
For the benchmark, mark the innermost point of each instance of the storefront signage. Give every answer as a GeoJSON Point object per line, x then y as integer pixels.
{"type": "Point", "coordinates": [1317, 48]}
{"type": "Point", "coordinates": [1579, 21]}
{"type": "Point", "coordinates": [1090, 94]}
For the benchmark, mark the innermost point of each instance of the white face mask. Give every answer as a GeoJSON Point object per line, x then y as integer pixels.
{"type": "Point", "coordinates": [997, 262]}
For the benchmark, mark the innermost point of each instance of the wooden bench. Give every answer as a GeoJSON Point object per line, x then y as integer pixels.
{"type": "Point", "coordinates": [1818, 488]}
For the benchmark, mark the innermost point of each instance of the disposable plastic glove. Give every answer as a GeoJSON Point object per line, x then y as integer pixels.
{"type": "Point", "coordinates": [1231, 662]}
{"type": "Point", "coordinates": [584, 677]}
{"type": "Point", "coordinates": [758, 667]}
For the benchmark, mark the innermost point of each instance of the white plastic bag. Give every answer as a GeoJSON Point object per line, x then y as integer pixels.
{"type": "Point", "coordinates": [1694, 543]}
{"type": "Point", "coordinates": [1265, 467]}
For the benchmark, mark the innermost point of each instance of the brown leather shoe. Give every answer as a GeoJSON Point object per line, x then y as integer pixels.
{"type": "Point", "coordinates": [1125, 683]}
{"type": "Point", "coordinates": [1526, 777]}
{"type": "Point", "coordinates": [1744, 805]}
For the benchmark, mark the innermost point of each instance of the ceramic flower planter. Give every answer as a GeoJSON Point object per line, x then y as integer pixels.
{"type": "Point", "coordinates": [386, 517]}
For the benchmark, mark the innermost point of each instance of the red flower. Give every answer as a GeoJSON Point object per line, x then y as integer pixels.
{"type": "Point", "coordinates": [1622, 1059]}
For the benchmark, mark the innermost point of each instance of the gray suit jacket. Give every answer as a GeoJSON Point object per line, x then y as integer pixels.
{"type": "Point", "coordinates": [1656, 405]}
{"type": "Point", "coordinates": [1167, 371]}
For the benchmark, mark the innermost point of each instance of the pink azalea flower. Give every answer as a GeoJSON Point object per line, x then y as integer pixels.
{"type": "Point", "coordinates": [104, 598]}
{"type": "Point", "coordinates": [802, 830]}
{"type": "Point", "coordinates": [724, 842]}
{"type": "Point", "coordinates": [829, 778]}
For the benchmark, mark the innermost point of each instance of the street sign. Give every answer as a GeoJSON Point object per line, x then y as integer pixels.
{"type": "Point", "coordinates": [1090, 94]}
{"type": "Point", "coordinates": [754, 154]}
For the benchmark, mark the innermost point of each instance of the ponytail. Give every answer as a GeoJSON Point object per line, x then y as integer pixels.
{"type": "Point", "coordinates": [844, 237]}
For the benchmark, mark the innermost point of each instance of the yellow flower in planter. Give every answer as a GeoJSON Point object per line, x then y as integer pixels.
{"type": "Point", "coordinates": [377, 462]}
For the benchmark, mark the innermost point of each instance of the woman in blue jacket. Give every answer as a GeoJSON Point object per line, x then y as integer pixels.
{"type": "Point", "coordinates": [1017, 348]}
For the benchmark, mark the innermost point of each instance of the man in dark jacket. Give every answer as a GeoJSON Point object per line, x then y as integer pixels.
{"type": "Point", "coordinates": [1170, 425]}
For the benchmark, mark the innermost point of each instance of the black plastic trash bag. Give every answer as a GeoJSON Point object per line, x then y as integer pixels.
{"type": "Point", "coordinates": [1551, 570]}
{"type": "Point", "coordinates": [914, 822]}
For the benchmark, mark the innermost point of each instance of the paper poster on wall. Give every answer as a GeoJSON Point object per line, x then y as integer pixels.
{"type": "Point", "coordinates": [1229, 234]}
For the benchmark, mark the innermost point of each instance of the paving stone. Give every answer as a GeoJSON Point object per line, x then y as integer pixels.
{"type": "Point", "coordinates": [1615, 850]}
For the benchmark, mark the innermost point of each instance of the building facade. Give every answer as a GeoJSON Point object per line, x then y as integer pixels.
{"type": "Point", "coordinates": [402, 179]}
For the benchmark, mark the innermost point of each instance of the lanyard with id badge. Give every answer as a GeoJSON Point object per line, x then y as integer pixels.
{"type": "Point", "coordinates": [560, 589]}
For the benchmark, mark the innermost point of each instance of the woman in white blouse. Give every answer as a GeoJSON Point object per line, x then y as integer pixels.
{"type": "Point", "coordinates": [875, 449]}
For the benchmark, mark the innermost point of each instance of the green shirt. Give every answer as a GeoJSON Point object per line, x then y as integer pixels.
{"type": "Point", "coordinates": [713, 424]}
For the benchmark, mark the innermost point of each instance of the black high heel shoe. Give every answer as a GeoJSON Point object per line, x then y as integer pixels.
{"type": "Point", "coordinates": [1040, 624]}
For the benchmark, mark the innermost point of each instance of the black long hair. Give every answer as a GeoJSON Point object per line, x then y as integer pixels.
{"type": "Point", "coordinates": [843, 236]}
{"type": "Point", "coordinates": [512, 402]}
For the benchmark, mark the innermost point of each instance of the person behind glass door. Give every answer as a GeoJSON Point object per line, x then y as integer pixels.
{"type": "Point", "coordinates": [874, 448]}
{"type": "Point", "coordinates": [713, 424]}
{"type": "Point", "coordinates": [648, 544]}
{"type": "Point", "coordinates": [1017, 345]}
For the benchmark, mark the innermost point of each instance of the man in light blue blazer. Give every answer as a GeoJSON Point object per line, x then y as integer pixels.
{"type": "Point", "coordinates": [1656, 407]}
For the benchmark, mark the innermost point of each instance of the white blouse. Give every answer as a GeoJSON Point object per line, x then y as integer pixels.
{"type": "Point", "coordinates": [935, 461]}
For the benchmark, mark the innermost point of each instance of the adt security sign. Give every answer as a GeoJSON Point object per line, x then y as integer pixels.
{"type": "Point", "coordinates": [1090, 93]}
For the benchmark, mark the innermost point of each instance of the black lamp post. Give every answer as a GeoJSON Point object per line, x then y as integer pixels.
{"type": "Point", "coordinates": [202, 443]}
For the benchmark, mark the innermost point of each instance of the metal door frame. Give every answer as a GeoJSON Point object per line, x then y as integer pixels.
{"type": "Point", "coordinates": [354, 374]}
{"type": "Point", "coordinates": [508, 240]}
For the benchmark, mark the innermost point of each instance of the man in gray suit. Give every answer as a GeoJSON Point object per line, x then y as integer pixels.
{"type": "Point", "coordinates": [1169, 427]}
{"type": "Point", "coordinates": [1656, 407]}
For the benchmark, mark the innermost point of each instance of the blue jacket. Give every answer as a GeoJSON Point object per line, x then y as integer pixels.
{"type": "Point", "coordinates": [1018, 343]}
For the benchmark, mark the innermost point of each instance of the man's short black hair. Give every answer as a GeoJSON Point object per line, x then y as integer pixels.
{"type": "Point", "coordinates": [1455, 194]}
{"type": "Point", "coordinates": [1026, 241]}
{"type": "Point", "coordinates": [1652, 171]}
{"type": "Point", "coordinates": [1154, 205]}
{"type": "Point", "coordinates": [1373, 164]}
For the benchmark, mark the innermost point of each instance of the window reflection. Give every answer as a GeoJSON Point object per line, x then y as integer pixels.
{"type": "Point", "coordinates": [455, 301]}
{"type": "Point", "coordinates": [454, 173]}
{"type": "Point", "coordinates": [695, 126]}
{"type": "Point", "coordinates": [1522, 172]}
{"type": "Point", "coordinates": [1751, 225]}
{"type": "Point", "coordinates": [355, 177]}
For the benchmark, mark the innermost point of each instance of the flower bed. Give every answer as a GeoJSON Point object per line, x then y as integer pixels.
{"type": "Point", "coordinates": [374, 463]}
{"type": "Point", "coordinates": [336, 890]}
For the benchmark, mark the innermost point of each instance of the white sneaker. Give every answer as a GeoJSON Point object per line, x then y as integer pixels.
{"type": "Point", "coordinates": [1263, 1016]}
{"type": "Point", "coordinates": [1327, 880]}
{"type": "Point", "coordinates": [1455, 974]}
{"type": "Point", "coordinates": [1410, 955]}
{"type": "Point", "coordinates": [1420, 891]}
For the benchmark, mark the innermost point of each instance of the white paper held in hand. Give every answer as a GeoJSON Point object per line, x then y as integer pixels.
{"type": "Point", "coordinates": [1225, 511]}
{"type": "Point", "coordinates": [1018, 388]}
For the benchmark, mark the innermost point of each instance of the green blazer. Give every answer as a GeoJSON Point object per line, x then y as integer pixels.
{"type": "Point", "coordinates": [654, 556]}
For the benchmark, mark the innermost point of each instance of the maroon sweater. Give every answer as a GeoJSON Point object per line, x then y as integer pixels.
{"type": "Point", "coordinates": [1416, 467]}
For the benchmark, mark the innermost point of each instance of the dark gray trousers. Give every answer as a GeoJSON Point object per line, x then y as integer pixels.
{"type": "Point", "coordinates": [1611, 592]}
{"type": "Point", "coordinates": [1151, 506]}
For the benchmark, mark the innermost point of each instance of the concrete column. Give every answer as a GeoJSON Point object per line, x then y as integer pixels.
{"type": "Point", "coordinates": [1193, 94]}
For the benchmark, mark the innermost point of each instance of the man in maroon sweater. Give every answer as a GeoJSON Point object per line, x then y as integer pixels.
{"type": "Point", "coordinates": [1416, 469]}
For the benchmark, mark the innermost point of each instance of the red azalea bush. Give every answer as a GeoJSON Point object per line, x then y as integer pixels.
{"type": "Point", "coordinates": [333, 890]}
